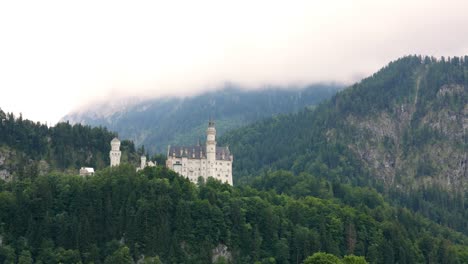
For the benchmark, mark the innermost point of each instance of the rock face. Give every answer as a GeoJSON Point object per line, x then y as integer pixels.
{"type": "Point", "coordinates": [10, 162]}
{"type": "Point", "coordinates": [221, 251]}
{"type": "Point", "coordinates": [5, 175]}
{"type": "Point", "coordinates": [421, 140]}
{"type": "Point", "coordinates": [5, 159]}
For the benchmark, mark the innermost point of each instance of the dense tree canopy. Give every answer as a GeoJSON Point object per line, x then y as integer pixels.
{"type": "Point", "coordinates": [60, 147]}
{"type": "Point", "coordinates": [120, 215]}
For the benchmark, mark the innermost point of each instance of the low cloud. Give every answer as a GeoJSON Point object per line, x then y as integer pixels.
{"type": "Point", "coordinates": [57, 55]}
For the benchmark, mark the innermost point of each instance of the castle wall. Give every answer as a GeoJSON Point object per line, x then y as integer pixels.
{"type": "Point", "coordinates": [194, 168]}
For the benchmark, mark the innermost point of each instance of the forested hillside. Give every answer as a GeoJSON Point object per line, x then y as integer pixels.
{"type": "Point", "coordinates": [156, 216]}
{"type": "Point", "coordinates": [156, 123]}
{"type": "Point", "coordinates": [377, 171]}
{"type": "Point", "coordinates": [33, 148]}
{"type": "Point", "coordinates": [402, 131]}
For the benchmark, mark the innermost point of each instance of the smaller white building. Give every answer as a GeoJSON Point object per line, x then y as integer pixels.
{"type": "Point", "coordinates": [144, 163]}
{"type": "Point", "coordinates": [86, 171]}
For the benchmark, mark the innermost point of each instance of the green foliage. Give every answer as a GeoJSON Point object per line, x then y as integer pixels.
{"type": "Point", "coordinates": [120, 256]}
{"type": "Point", "coordinates": [322, 258]}
{"type": "Point", "coordinates": [25, 257]}
{"type": "Point", "coordinates": [351, 259]}
{"type": "Point", "coordinates": [119, 216]}
{"type": "Point", "coordinates": [326, 258]}
{"type": "Point", "coordinates": [152, 260]}
{"type": "Point", "coordinates": [40, 149]}
{"type": "Point", "coordinates": [7, 254]}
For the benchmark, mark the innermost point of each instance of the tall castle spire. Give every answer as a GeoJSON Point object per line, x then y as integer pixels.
{"type": "Point", "coordinates": [115, 153]}
{"type": "Point", "coordinates": [211, 147]}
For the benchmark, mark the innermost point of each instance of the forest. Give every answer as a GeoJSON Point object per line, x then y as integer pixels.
{"type": "Point", "coordinates": [301, 194]}
{"type": "Point", "coordinates": [39, 149]}
{"type": "Point", "coordinates": [156, 216]}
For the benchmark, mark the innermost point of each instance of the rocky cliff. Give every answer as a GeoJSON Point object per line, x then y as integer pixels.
{"type": "Point", "coordinates": [404, 126]}
{"type": "Point", "coordinates": [419, 140]}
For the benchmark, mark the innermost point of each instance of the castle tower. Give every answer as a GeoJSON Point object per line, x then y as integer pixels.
{"type": "Point", "coordinates": [115, 153]}
{"type": "Point", "coordinates": [198, 161]}
{"type": "Point", "coordinates": [143, 162]}
{"type": "Point", "coordinates": [211, 148]}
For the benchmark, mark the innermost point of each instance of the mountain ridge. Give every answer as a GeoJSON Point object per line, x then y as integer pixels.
{"type": "Point", "coordinates": [156, 123]}
{"type": "Point", "coordinates": [372, 110]}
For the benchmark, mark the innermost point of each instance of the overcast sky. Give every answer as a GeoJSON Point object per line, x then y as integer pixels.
{"type": "Point", "coordinates": [56, 56]}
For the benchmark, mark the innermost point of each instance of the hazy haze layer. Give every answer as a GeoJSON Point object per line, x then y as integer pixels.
{"type": "Point", "coordinates": [59, 55]}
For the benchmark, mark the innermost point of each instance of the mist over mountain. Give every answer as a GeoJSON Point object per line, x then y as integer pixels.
{"type": "Point", "coordinates": [156, 123]}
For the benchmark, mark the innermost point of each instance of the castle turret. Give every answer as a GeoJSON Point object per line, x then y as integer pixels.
{"type": "Point", "coordinates": [211, 148]}
{"type": "Point", "coordinates": [115, 153]}
{"type": "Point", "coordinates": [143, 162]}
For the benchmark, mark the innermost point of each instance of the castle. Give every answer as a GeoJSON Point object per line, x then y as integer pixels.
{"type": "Point", "coordinates": [189, 161]}
{"type": "Point", "coordinates": [202, 161]}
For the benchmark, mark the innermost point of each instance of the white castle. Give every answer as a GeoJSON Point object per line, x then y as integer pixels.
{"type": "Point", "coordinates": [202, 161]}
{"type": "Point", "coordinates": [115, 153]}
{"type": "Point", "coordinates": [189, 161]}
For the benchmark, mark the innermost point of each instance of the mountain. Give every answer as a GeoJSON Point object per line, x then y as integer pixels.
{"type": "Point", "coordinates": [402, 131]}
{"type": "Point", "coordinates": [29, 149]}
{"type": "Point", "coordinates": [406, 122]}
{"type": "Point", "coordinates": [306, 188]}
{"type": "Point", "coordinates": [156, 123]}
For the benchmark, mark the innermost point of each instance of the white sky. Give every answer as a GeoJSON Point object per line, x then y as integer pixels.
{"type": "Point", "coordinates": [58, 55]}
